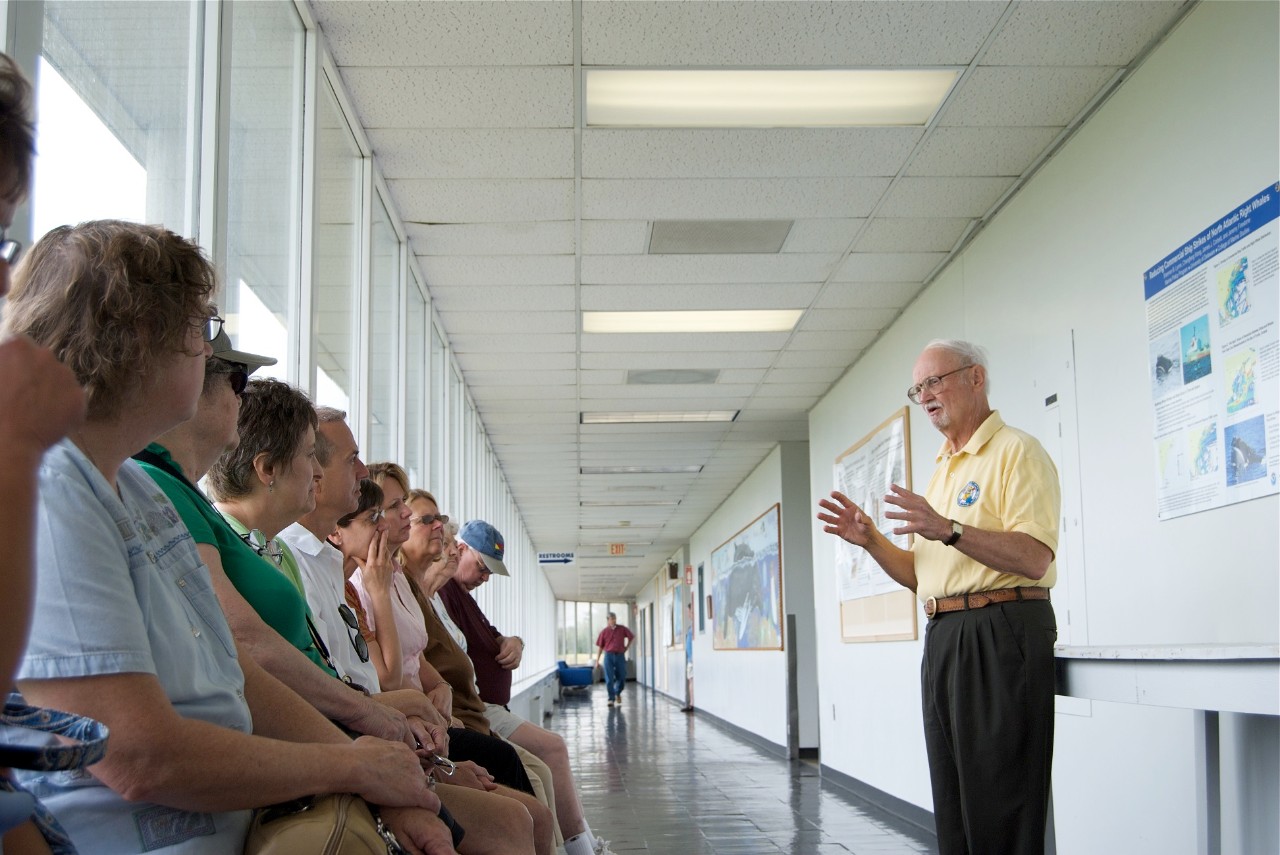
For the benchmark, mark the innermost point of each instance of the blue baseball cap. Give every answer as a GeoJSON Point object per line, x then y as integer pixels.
{"type": "Point", "coordinates": [486, 540]}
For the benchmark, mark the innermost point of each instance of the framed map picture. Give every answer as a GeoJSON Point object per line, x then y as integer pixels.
{"type": "Point", "coordinates": [746, 587]}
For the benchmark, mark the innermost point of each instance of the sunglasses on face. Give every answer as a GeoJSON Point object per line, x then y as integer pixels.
{"type": "Point", "coordinates": [239, 380]}
{"type": "Point", "coordinates": [353, 631]}
{"type": "Point", "coordinates": [429, 519]}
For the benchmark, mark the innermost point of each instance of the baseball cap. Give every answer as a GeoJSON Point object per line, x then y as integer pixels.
{"type": "Point", "coordinates": [486, 540]}
{"type": "Point", "coordinates": [223, 350]}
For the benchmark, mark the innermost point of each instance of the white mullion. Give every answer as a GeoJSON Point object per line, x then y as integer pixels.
{"type": "Point", "coordinates": [304, 342]}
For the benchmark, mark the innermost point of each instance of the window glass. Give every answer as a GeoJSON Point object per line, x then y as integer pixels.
{"type": "Point", "coordinates": [335, 268]}
{"type": "Point", "coordinates": [384, 335]}
{"type": "Point", "coordinates": [456, 445]}
{"type": "Point", "coordinates": [119, 106]}
{"type": "Point", "coordinates": [438, 413]}
{"type": "Point", "coordinates": [264, 174]}
{"type": "Point", "coordinates": [415, 369]}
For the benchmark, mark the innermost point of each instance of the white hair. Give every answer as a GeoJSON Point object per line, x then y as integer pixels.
{"type": "Point", "coordinates": [974, 354]}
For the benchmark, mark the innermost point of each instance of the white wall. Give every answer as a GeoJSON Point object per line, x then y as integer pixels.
{"type": "Point", "coordinates": [1192, 134]}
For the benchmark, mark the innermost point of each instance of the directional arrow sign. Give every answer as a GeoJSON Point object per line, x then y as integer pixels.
{"type": "Point", "coordinates": [555, 557]}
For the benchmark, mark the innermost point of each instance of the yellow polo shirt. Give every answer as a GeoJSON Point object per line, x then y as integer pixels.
{"type": "Point", "coordinates": [1002, 480]}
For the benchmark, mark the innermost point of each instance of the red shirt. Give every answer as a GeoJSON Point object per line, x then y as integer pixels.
{"type": "Point", "coordinates": [614, 638]}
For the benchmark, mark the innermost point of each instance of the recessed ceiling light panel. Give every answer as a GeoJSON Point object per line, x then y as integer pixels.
{"type": "Point", "coordinates": [755, 98]}
{"type": "Point", "coordinates": [640, 470]}
{"type": "Point", "coordinates": [672, 376]}
{"type": "Point", "coordinates": [658, 418]}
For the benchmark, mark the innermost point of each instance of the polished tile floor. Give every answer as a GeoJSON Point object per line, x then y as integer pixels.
{"type": "Point", "coordinates": [653, 779]}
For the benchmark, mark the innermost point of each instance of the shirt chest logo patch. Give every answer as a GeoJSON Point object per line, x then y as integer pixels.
{"type": "Point", "coordinates": [969, 494]}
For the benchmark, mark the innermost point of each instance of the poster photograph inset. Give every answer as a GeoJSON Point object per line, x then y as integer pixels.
{"type": "Point", "coordinates": [1214, 359]}
{"type": "Point", "coordinates": [746, 587]}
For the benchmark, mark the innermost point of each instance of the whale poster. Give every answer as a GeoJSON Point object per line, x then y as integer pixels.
{"type": "Point", "coordinates": [1213, 308]}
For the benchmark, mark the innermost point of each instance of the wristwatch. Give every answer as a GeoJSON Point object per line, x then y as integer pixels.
{"type": "Point", "coordinates": [956, 531]}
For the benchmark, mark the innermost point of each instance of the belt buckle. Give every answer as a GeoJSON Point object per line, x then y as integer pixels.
{"type": "Point", "coordinates": [931, 607]}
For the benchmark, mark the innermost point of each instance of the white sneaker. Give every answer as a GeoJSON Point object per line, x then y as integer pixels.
{"type": "Point", "coordinates": [602, 847]}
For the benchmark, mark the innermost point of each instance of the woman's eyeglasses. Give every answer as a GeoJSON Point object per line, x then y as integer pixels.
{"type": "Point", "coordinates": [212, 327]}
{"type": "Point", "coordinates": [428, 519]}
{"type": "Point", "coordinates": [9, 249]}
{"type": "Point", "coordinates": [353, 631]}
{"type": "Point", "coordinates": [257, 541]}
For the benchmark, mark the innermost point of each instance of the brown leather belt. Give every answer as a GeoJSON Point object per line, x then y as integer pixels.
{"type": "Point", "coordinates": [935, 606]}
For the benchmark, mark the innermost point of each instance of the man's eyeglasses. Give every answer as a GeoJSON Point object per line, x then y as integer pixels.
{"type": "Point", "coordinates": [257, 541]}
{"type": "Point", "coordinates": [9, 249]}
{"type": "Point", "coordinates": [429, 519]}
{"type": "Point", "coordinates": [353, 631]}
{"type": "Point", "coordinates": [484, 568]}
{"type": "Point", "coordinates": [930, 384]}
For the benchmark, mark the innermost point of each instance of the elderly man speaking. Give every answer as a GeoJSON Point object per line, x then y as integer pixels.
{"type": "Point", "coordinates": [982, 563]}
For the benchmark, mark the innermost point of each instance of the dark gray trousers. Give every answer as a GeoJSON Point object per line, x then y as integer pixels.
{"type": "Point", "coordinates": [987, 681]}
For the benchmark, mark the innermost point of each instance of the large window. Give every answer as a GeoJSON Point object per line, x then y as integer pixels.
{"type": "Point", "coordinates": [438, 414]}
{"type": "Point", "coordinates": [264, 181]}
{"type": "Point", "coordinates": [336, 255]}
{"type": "Point", "coordinates": [415, 372]}
{"type": "Point", "coordinates": [578, 624]}
{"type": "Point", "coordinates": [119, 101]}
{"type": "Point", "coordinates": [384, 335]}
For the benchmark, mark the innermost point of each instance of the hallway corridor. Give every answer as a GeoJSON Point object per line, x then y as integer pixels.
{"type": "Point", "coordinates": [653, 779]}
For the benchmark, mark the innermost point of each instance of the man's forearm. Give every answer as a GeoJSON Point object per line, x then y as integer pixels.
{"type": "Point", "coordinates": [1012, 552]}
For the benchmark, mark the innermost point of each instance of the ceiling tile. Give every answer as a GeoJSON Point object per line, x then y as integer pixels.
{"type": "Point", "coordinates": [1080, 33]}
{"type": "Point", "coordinates": [615, 237]}
{"type": "Point", "coordinates": [446, 33]}
{"type": "Point", "coordinates": [810, 391]}
{"type": "Point", "coordinates": [822, 235]}
{"type": "Point", "coordinates": [867, 295]}
{"type": "Point", "coordinates": [482, 298]}
{"type": "Point", "coordinates": [521, 376]}
{"type": "Point", "coordinates": [547, 238]}
{"type": "Point", "coordinates": [724, 269]}
{"type": "Point", "coordinates": [488, 362]}
{"type": "Point", "coordinates": [888, 266]}
{"type": "Point", "coordinates": [887, 234]}
{"type": "Point", "coordinates": [848, 319]}
{"type": "Point", "coordinates": [497, 322]}
{"type": "Point", "coordinates": [482, 201]}
{"type": "Point", "coordinates": [828, 375]}
{"type": "Point", "coordinates": [981, 151]}
{"type": "Point", "coordinates": [746, 153]}
{"type": "Point", "coordinates": [776, 198]}
{"type": "Point", "coordinates": [473, 153]}
{"type": "Point", "coordinates": [844, 341]}
{"type": "Point", "coordinates": [518, 344]}
{"type": "Point", "coordinates": [486, 395]}
{"type": "Point", "coordinates": [1029, 96]}
{"type": "Point", "coordinates": [785, 34]}
{"type": "Point", "coordinates": [416, 97]}
{"type": "Point", "coordinates": [698, 297]}
{"type": "Point", "coordinates": [457, 271]}
{"type": "Point", "coordinates": [677, 359]}
{"type": "Point", "coordinates": [944, 197]}
{"type": "Point", "coordinates": [794, 358]}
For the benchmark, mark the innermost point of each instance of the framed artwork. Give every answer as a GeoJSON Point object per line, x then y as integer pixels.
{"type": "Point", "coordinates": [746, 587]}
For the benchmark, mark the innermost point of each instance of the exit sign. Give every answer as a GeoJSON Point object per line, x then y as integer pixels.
{"type": "Point", "coordinates": [617, 549]}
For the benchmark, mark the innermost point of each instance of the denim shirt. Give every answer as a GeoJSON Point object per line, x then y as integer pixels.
{"type": "Point", "coordinates": [121, 589]}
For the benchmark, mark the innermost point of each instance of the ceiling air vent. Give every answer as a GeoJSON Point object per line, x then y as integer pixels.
{"type": "Point", "coordinates": [715, 237]}
{"type": "Point", "coordinates": [671, 376]}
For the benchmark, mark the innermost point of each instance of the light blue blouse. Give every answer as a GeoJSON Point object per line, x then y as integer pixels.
{"type": "Point", "coordinates": [121, 589]}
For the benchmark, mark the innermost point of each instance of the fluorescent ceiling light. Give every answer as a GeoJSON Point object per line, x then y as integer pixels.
{"type": "Point", "coordinates": [640, 470]}
{"type": "Point", "coordinates": [625, 504]}
{"type": "Point", "coordinates": [733, 320]}
{"type": "Point", "coordinates": [742, 98]}
{"type": "Point", "coordinates": [658, 418]}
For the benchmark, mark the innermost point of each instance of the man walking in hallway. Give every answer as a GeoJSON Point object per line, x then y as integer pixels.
{"type": "Point", "coordinates": [982, 562]}
{"type": "Point", "coordinates": [613, 642]}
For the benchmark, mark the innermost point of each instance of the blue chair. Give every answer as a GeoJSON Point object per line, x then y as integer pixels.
{"type": "Point", "coordinates": [574, 677]}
